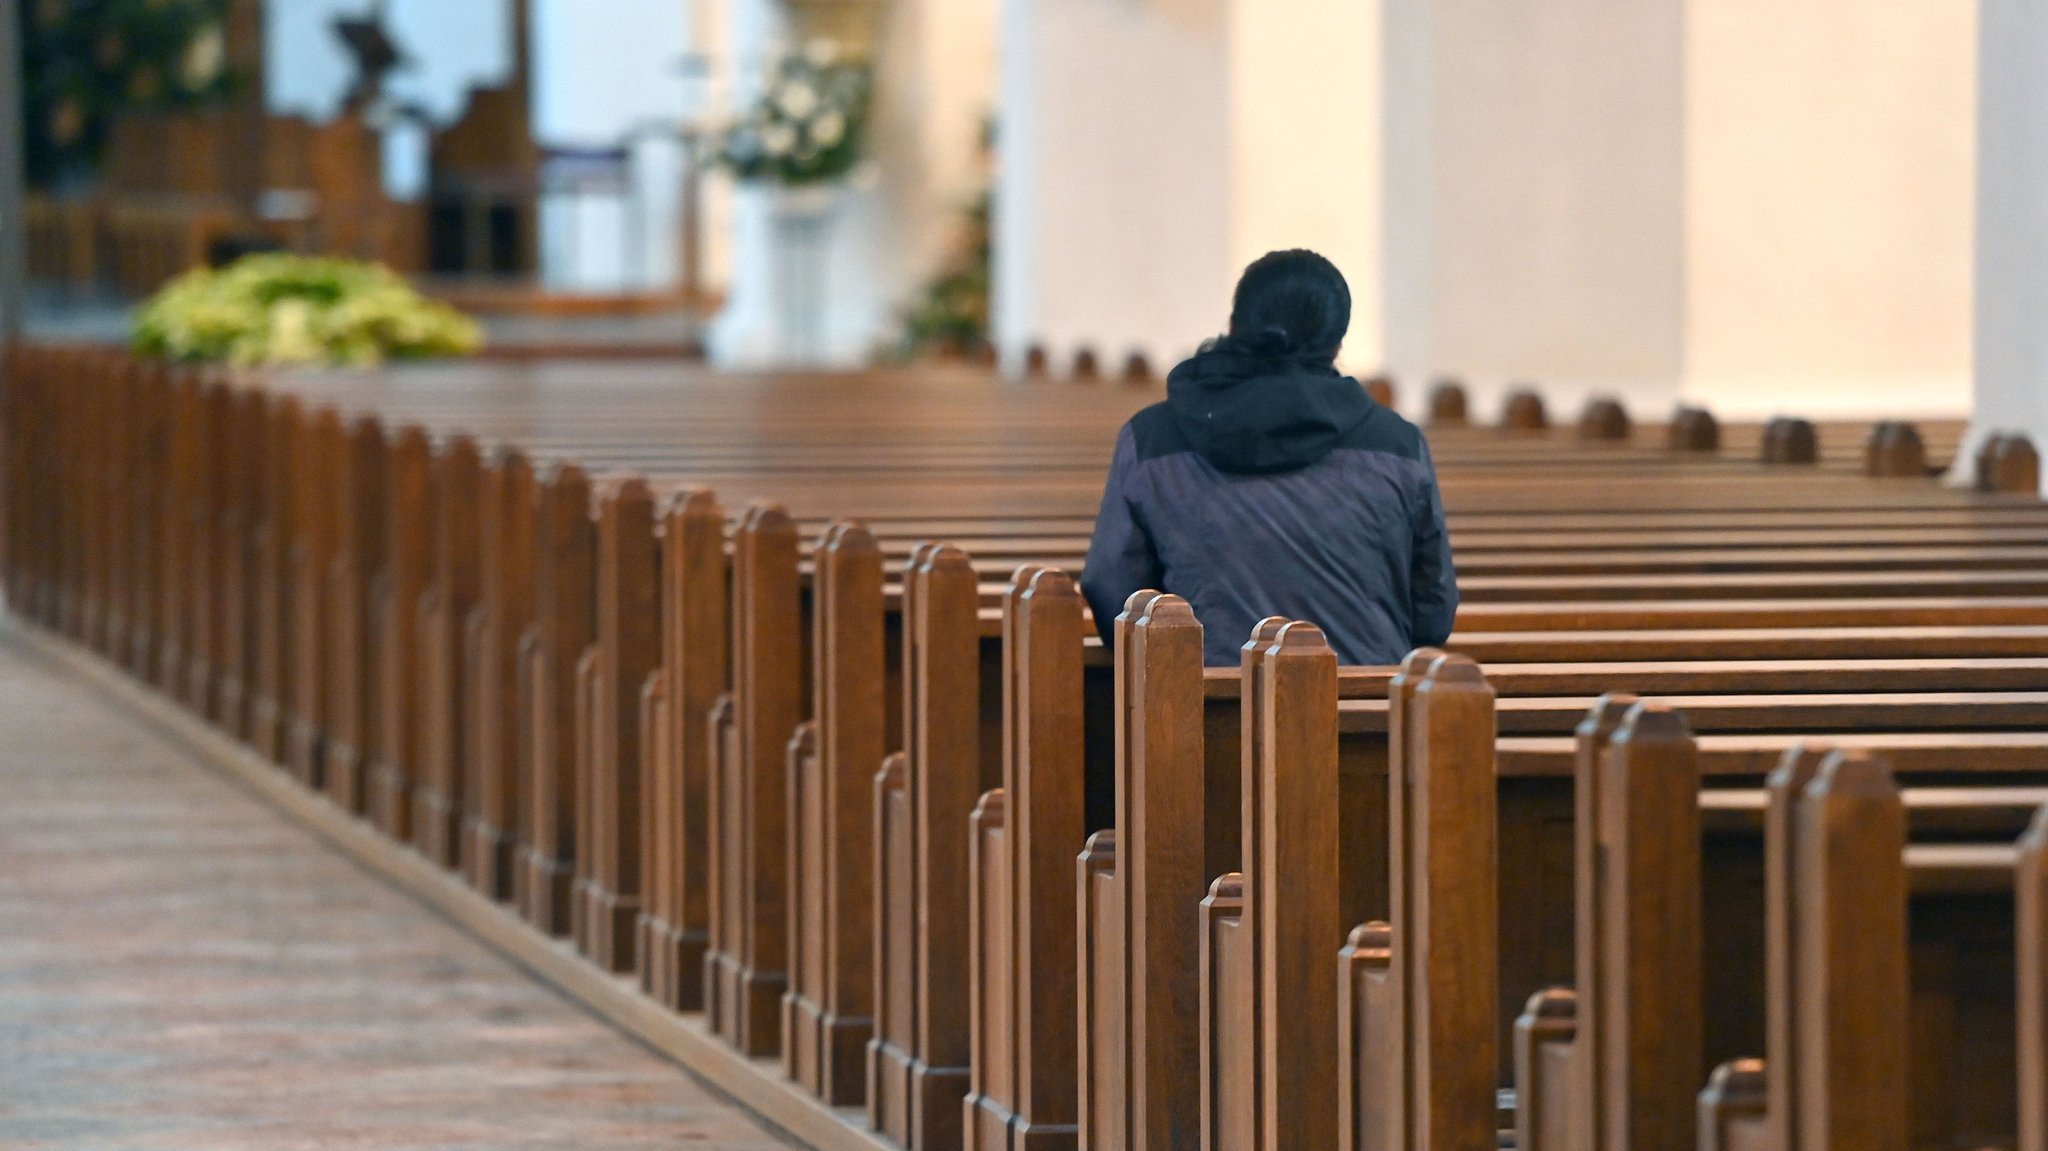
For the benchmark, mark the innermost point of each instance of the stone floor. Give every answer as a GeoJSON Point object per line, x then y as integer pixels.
{"type": "Point", "coordinates": [181, 968]}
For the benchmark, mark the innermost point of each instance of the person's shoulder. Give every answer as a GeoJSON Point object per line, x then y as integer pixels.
{"type": "Point", "coordinates": [1154, 432]}
{"type": "Point", "coordinates": [1387, 432]}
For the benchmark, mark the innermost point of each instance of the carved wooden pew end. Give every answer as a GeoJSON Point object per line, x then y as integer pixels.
{"type": "Point", "coordinates": [1894, 451]}
{"type": "Point", "coordinates": [1524, 412]}
{"type": "Point", "coordinates": [1693, 430]}
{"type": "Point", "coordinates": [1790, 441]}
{"type": "Point", "coordinates": [1734, 1108]}
{"type": "Point", "coordinates": [2008, 463]}
{"type": "Point", "coordinates": [1604, 421]}
{"type": "Point", "coordinates": [1448, 405]}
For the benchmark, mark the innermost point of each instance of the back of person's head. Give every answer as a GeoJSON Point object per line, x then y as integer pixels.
{"type": "Point", "coordinates": [1295, 301]}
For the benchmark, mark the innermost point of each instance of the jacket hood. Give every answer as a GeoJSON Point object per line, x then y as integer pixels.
{"type": "Point", "coordinates": [1257, 411]}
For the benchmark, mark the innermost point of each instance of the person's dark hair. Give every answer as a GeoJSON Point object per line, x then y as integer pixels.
{"type": "Point", "coordinates": [1292, 303]}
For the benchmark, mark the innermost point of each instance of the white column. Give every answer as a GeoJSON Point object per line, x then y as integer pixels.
{"type": "Point", "coordinates": [2011, 334]}
{"type": "Point", "coordinates": [1150, 151]}
{"type": "Point", "coordinates": [1113, 204]}
{"type": "Point", "coordinates": [1535, 194]}
{"type": "Point", "coordinates": [1829, 184]}
{"type": "Point", "coordinates": [936, 90]}
{"type": "Point", "coordinates": [1306, 145]}
{"type": "Point", "coordinates": [1750, 204]}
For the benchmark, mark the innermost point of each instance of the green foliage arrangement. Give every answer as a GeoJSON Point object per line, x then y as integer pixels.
{"type": "Point", "coordinates": [952, 317]}
{"type": "Point", "coordinates": [279, 309]}
{"type": "Point", "coordinates": [810, 125]}
{"type": "Point", "coordinates": [84, 61]}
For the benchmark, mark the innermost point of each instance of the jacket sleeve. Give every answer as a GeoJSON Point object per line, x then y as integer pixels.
{"type": "Point", "coordinates": [1121, 559]}
{"type": "Point", "coordinates": [1433, 580]}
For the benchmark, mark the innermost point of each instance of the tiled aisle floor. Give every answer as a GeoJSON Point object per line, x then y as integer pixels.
{"type": "Point", "coordinates": [180, 967]}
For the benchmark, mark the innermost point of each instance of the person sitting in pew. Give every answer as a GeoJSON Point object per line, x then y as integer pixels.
{"type": "Point", "coordinates": [1269, 483]}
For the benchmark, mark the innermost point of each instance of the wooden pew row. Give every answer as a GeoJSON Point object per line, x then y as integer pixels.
{"type": "Point", "coordinates": [1414, 977]}
{"type": "Point", "coordinates": [314, 541]}
{"type": "Point", "coordinates": [1096, 869]}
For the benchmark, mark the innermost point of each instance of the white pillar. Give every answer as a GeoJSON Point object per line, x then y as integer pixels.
{"type": "Point", "coordinates": [2011, 335]}
{"type": "Point", "coordinates": [1150, 151]}
{"type": "Point", "coordinates": [1306, 145]}
{"type": "Point", "coordinates": [1534, 194]}
{"type": "Point", "coordinates": [1113, 205]}
{"type": "Point", "coordinates": [1828, 167]}
{"type": "Point", "coordinates": [936, 90]}
{"type": "Point", "coordinates": [1740, 203]}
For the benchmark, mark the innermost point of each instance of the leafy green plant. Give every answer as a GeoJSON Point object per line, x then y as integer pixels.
{"type": "Point", "coordinates": [952, 317]}
{"type": "Point", "coordinates": [810, 124]}
{"type": "Point", "coordinates": [279, 309]}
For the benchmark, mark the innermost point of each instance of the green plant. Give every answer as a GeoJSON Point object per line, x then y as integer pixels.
{"type": "Point", "coordinates": [952, 318]}
{"type": "Point", "coordinates": [279, 309]}
{"type": "Point", "coordinates": [810, 124]}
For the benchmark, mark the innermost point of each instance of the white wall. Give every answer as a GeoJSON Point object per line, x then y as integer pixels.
{"type": "Point", "coordinates": [2011, 335]}
{"type": "Point", "coordinates": [1534, 194]}
{"type": "Point", "coordinates": [1151, 150]}
{"type": "Point", "coordinates": [1758, 205]}
{"type": "Point", "coordinates": [1116, 177]}
{"type": "Point", "coordinates": [1305, 145]}
{"type": "Point", "coordinates": [936, 86]}
{"type": "Point", "coordinates": [1829, 196]}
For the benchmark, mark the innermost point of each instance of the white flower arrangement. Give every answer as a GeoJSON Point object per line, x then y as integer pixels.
{"type": "Point", "coordinates": [808, 126]}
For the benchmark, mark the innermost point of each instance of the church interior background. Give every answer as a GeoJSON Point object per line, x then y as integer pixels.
{"type": "Point", "coordinates": [1729, 203]}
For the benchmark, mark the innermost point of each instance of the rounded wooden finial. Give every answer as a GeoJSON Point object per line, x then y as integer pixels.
{"type": "Point", "coordinates": [1894, 450]}
{"type": "Point", "coordinates": [1525, 412]}
{"type": "Point", "coordinates": [1137, 369]}
{"type": "Point", "coordinates": [2008, 463]}
{"type": "Point", "coordinates": [1086, 366]}
{"type": "Point", "coordinates": [1447, 403]}
{"type": "Point", "coordinates": [1381, 389]}
{"type": "Point", "coordinates": [1791, 441]}
{"type": "Point", "coordinates": [1694, 430]}
{"type": "Point", "coordinates": [1604, 419]}
{"type": "Point", "coordinates": [1036, 362]}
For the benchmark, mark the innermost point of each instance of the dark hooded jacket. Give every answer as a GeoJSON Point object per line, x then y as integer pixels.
{"type": "Point", "coordinates": [1267, 485]}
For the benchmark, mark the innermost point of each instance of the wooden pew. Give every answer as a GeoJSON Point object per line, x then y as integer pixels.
{"type": "Point", "coordinates": [626, 651]}
{"type": "Point", "coordinates": [918, 1074]}
{"type": "Point", "coordinates": [504, 613]}
{"type": "Point", "coordinates": [351, 650]}
{"type": "Point", "coordinates": [1022, 922]}
{"type": "Point", "coordinates": [1836, 1075]}
{"type": "Point", "coordinates": [2031, 961]}
{"type": "Point", "coordinates": [829, 1008]}
{"type": "Point", "coordinates": [395, 610]}
{"type": "Point", "coordinates": [675, 927]}
{"type": "Point", "coordinates": [746, 961]}
{"type": "Point", "coordinates": [450, 594]}
{"type": "Point", "coordinates": [565, 626]}
{"type": "Point", "coordinates": [661, 720]}
{"type": "Point", "coordinates": [1139, 888]}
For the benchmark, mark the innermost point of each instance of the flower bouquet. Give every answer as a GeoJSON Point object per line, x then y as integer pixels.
{"type": "Point", "coordinates": [279, 309]}
{"type": "Point", "coordinates": [809, 125]}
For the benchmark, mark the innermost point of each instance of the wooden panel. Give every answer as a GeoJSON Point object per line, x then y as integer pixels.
{"type": "Point", "coordinates": [1851, 941]}
{"type": "Point", "coordinates": [749, 946]}
{"type": "Point", "coordinates": [828, 1013]}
